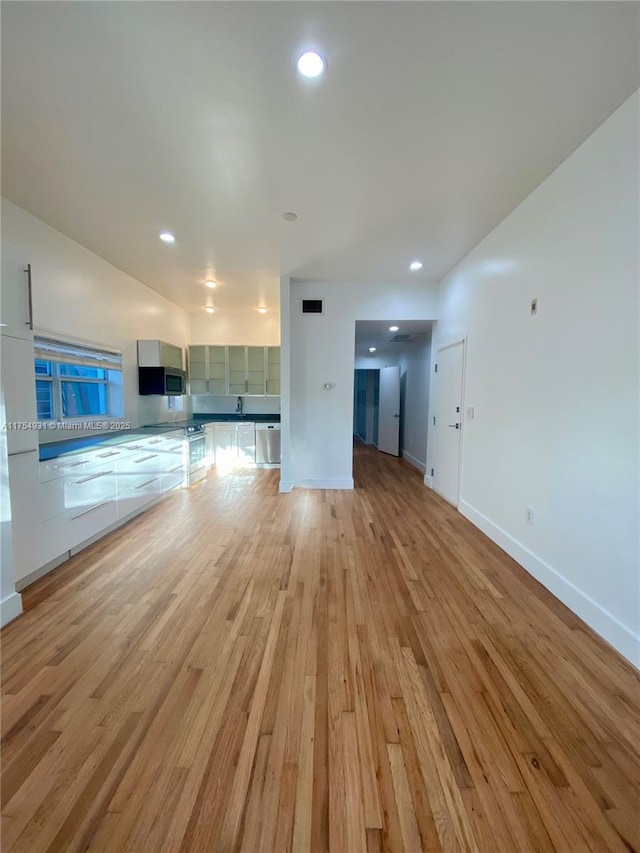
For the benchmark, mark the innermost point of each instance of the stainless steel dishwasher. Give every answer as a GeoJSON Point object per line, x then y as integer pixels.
{"type": "Point", "coordinates": [267, 444]}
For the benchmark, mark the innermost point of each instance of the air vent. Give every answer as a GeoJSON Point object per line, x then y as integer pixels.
{"type": "Point", "coordinates": [401, 339]}
{"type": "Point", "coordinates": [313, 306]}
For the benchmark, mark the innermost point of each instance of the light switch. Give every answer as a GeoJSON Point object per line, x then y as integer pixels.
{"type": "Point", "coordinates": [329, 386]}
{"type": "Point", "coordinates": [471, 413]}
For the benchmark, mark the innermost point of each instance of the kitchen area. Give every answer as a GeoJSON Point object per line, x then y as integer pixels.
{"type": "Point", "coordinates": [84, 487]}
{"type": "Point", "coordinates": [114, 398]}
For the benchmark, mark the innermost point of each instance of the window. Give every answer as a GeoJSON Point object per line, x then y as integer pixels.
{"type": "Point", "coordinates": [76, 382]}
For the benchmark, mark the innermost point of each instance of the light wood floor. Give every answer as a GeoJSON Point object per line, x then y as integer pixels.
{"type": "Point", "coordinates": [344, 671]}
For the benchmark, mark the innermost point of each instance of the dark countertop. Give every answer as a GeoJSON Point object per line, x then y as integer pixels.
{"type": "Point", "coordinates": [52, 449]}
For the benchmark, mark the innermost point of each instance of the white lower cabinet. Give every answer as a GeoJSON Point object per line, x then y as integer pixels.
{"type": "Point", "coordinates": [234, 444]}
{"type": "Point", "coordinates": [77, 496]}
{"type": "Point", "coordinates": [28, 546]}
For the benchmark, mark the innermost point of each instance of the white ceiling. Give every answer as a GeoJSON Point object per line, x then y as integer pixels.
{"type": "Point", "coordinates": [376, 333]}
{"type": "Point", "coordinates": [434, 120]}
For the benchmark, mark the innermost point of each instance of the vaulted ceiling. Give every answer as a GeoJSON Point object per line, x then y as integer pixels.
{"type": "Point", "coordinates": [432, 122]}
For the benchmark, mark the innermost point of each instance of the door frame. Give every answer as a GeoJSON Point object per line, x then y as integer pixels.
{"type": "Point", "coordinates": [463, 341]}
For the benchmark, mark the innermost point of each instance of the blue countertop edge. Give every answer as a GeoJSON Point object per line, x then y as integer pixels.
{"type": "Point", "coordinates": [53, 449]}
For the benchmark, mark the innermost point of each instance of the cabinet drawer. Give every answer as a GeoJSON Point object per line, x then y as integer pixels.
{"type": "Point", "coordinates": [172, 479]}
{"type": "Point", "coordinates": [51, 499]}
{"type": "Point", "coordinates": [89, 489]}
{"type": "Point", "coordinates": [52, 469]}
{"type": "Point", "coordinates": [75, 526]}
{"type": "Point", "coordinates": [138, 494]}
{"type": "Point", "coordinates": [85, 522]}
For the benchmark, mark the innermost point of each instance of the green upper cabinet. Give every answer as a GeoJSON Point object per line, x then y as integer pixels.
{"type": "Point", "coordinates": [217, 370]}
{"type": "Point", "coordinates": [273, 370]}
{"type": "Point", "coordinates": [234, 370]}
{"type": "Point", "coordinates": [237, 370]}
{"type": "Point", "coordinates": [198, 370]}
{"type": "Point", "coordinates": [170, 356]}
{"type": "Point", "coordinates": [256, 371]}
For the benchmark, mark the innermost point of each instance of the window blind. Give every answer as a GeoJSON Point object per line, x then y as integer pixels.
{"type": "Point", "coordinates": [47, 349]}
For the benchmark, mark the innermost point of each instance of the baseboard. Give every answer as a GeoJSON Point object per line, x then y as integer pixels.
{"type": "Point", "coordinates": [287, 486]}
{"type": "Point", "coordinates": [413, 461]}
{"type": "Point", "coordinates": [10, 608]}
{"type": "Point", "coordinates": [600, 620]}
{"type": "Point", "coordinates": [428, 481]}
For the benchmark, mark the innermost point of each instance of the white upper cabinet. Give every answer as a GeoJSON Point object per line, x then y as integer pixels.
{"type": "Point", "coordinates": [16, 308]}
{"type": "Point", "coordinates": [19, 386]}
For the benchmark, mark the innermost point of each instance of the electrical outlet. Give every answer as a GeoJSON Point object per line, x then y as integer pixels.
{"type": "Point", "coordinates": [530, 516]}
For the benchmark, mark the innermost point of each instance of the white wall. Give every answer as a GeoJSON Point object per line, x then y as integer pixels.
{"type": "Point", "coordinates": [211, 404]}
{"type": "Point", "coordinates": [556, 395]}
{"type": "Point", "coordinates": [415, 361]}
{"type": "Point", "coordinates": [261, 330]}
{"type": "Point", "coordinates": [317, 425]}
{"type": "Point", "coordinates": [78, 295]}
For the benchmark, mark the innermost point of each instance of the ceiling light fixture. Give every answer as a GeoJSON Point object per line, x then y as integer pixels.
{"type": "Point", "coordinates": [262, 310]}
{"type": "Point", "coordinates": [311, 64]}
{"type": "Point", "coordinates": [372, 349]}
{"type": "Point", "coordinates": [167, 237]}
{"type": "Point", "coordinates": [414, 266]}
{"type": "Point", "coordinates": [289, 216]}
{"type": "Point", "coordinates": [209, 309]}
{"type": "Point", "coordinates": [210, 283]}
{"type": "Point", "coordinates": [393, 328]}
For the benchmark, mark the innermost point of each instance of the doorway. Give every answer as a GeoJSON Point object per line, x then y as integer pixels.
{"type": "Point", "coordinates": [448, 381]}
{"type": "Point", "coordinates": [391, 386]}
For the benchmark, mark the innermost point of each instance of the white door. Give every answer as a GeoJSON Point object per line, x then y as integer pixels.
{"type": "Point", "coordinates": [389, 411]}
{"type": "Point", "coordinates": [448, 423]}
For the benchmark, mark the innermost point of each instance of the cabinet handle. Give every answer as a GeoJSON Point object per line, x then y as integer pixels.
{"type": "Point", "coordinates": [92, 477]}
{"type": "Point", "coordinates": [155, 441]}
{"type": "Point", "coordinates": [70, 464]}
{"type": "Point", "coordinates": [29, 322]}
{"type": "Point", "coordinates": [144, 458]}
{"type": "Point", "coordinates": [177, 468]}
{"type": "Point", "coordinates": [142, 485]}
{"type": "Point", "coordinates": [106, 455]}
{"type": "Point", "coordinates": [135, 447]}
{"type": "Point", "coordinates": [91, 509]}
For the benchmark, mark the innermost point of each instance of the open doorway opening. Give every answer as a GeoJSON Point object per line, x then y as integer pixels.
{"type": "Point", "coordinates": [391, 387]}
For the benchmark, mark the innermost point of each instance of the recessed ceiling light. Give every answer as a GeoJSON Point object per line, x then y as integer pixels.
{"type": "Point", "coordinates": [311, 64]}
{"type": "Point", "coordinates": [393, 328]}
{"type": "Point", "coordinates": [210, 283]}
{"type": "Point", "coordinates": [414, 266]}
{"type": "Point", "coordinates": [372, 349]}
{"type": "Point", "coordinates": [167, 237]}
{"type": "Point", "coordinates": [262, 310]}
{"type": "Point", "coordinates": [209, 309]}
{"type": "Point", "coordinates": [289, 216]}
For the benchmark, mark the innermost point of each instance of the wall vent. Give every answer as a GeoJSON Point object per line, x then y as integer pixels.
{"type": "Point", "coordinates": [313, 306]}
{"type": "Point", "coordinates": [401, 339]}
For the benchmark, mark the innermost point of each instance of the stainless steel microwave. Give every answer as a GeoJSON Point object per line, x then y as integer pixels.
{"type": "Point", "coordinates": [168, 381]}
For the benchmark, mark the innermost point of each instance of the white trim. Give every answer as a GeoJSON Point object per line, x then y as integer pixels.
{"type": "Point", "coordinates": [286, 486]}
{"type": "Point", "coordinates": [415, 462]}
{"type": "Point", "coordinates": [10, 608]}
{"type": "Point", "coordinates": [346, 483]}
{"type": "Point", "coordinates": [428, 481]}
{"type": "Point", "coordinates": [601, 621]}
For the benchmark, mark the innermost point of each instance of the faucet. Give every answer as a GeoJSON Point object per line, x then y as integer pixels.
{"type": "Point", "coordinates": [239, 407]}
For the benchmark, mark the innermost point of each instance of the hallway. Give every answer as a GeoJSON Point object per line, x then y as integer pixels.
{"type": "Point", "coordinates": [349, 671]}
